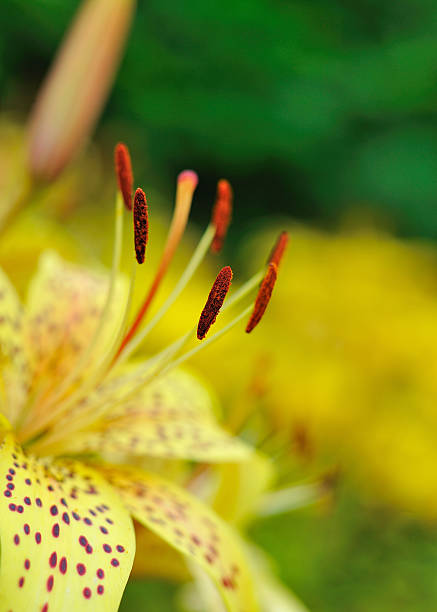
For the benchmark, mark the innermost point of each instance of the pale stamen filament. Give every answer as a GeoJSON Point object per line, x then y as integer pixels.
{"type": "Point", "coordinates": [155, 367]}
{"type": "Point", "coordinates": [187, 182]}
{"type": "Point", "coordinates": [82, 362]}
{"type": "Point", "coordinates": [193, 264]}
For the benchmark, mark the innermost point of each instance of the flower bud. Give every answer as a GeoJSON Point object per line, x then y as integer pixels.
{"type": "Point", "coordinates": [77, 85]}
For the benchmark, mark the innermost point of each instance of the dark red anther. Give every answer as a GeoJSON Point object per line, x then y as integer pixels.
{"type": "Point", "coordinates": [214, 302]}
{"type": "Point", "coordinates": [123, 170]}
{"type": "Point", "coordinates": [263, 297]}
{"type": "Point", "coordinates": [141, 224]}
{"type": "Point", "coordinates": [221, 214]}
{"type": "Point", "coordinates": [279, 248]}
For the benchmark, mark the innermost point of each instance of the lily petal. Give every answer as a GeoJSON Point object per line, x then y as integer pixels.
{"type": "Point", "coordinates": [170, 418]}
{"type": "Point", "coordinates": [155, 558]}
{"type": "Point", "coordinates": [190, 527]}
{"type": "Point", "coordinates": [165, 439]}
{"type": "Point", "coordinates": [14, 361]}
{"type": "Point", "coordinates": [66, 540]}
{"type": "Point", "coordinates": [242, 487]}
{"type": "Point", "coordinates": [64, 306]}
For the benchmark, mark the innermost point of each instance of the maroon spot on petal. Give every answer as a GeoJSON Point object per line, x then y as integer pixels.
{"type": "Point", "coordinates": [38, 537]}
{"type": "Point", "coordinates": [88, 549]}
{"type": "Point", "coordinates": [100, 589]}
{"type": "Point", "coordinates": [55, 530]}
{"type": "Point", "coordinates": [53, 559]}
{"type": "Point", "coordinates": [38, 502]}
{"type": "Point", "coordinates": [100, 574]}
{"type": "Point", "coordinates": [66, 518]}
{"type": "Point", "coordinates": [12, 507]}
{"type": "Point", "coordinates": [28, 481]}
{"type": "Point", "coordinates": [83, 541]}
{"type": "Point", "coordinates": [63, 565]}
{"type": "Point", "coordinates": [107, 548]}
{"type": "Point", "coordinates": [87, 521]}
{"type": "Point", "coordinates": [26, 529]}
{"type": "Point", "coordinates": [10, 486]}
{"type": "Point", "coordinates": [16, 539]}
{"type": "Point", "coordinates": [26, 564]}
{"type": "Point", "coordinates": [102, 529]}
{"type": "Point", "coordinates": [76, 516]}
{"type": "Point", "coordinates": [27, 501]}
{"type": "Point", "coordinates": [21, 582]}
{"type": "Point", "coordinates": [20, 509]}
{"type": "Point", "coordinates": [120, 548]}
{"type": "Point", "coordinates": [86, 593]}
{"type": "Point", "coordinates": [53, 510]}
{"type": "Point", "coordinates": [50, 581]}
{"type": "Point", "coordinates": [115, 562]}
{"type": "Point", "coordinates": [81, 569]}
{"type": "Point", "coordinates": [11, 471]}
{"type": "Point", "coordinates": [9, 477]}
{"type": "Point", "coordinates": [7, 493]}
{"type": "Point", "coordinates": [45, 608]}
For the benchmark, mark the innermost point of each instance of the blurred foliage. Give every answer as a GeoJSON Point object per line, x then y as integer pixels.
{"type": "Point", "coordinates": [308, 107]}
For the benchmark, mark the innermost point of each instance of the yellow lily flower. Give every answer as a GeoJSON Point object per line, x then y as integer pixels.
{"type": "Point", "coordinates": [79, 422]}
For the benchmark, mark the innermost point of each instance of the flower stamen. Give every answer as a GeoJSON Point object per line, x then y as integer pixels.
{"type": "Point", "coordinates": [263, 297]}
{"type": "Point", "coordinates": [186, 185]}
{"type": "Point", "coordinates": [141, 225]}
{"type": "Point", "coordinates": [222, 212]}
{"type": "Point", "coordinates": [123, 170]}
{"type": "Point", "coordinates": [279, 249]}
{"type": "Point", "coordinates": [214, 302]}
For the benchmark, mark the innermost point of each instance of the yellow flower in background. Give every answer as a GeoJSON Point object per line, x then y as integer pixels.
{"type": "Point", "coordinates": [343, 368]}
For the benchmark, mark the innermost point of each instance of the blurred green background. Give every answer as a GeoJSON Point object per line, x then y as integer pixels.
{"type": "Point", "coordinates": [307, 107]}
{"type": "Point", "coordinates": [312, 110]}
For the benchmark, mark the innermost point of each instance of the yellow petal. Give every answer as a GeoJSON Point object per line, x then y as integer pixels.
{"type": "Point", "coordinates": [156, 559]}
{"type": "Point", "coordinates": [64, 306]}
{"type": "Point", "coordinates": [170, 418]}
{"type": "Point", "coordinates": [178, 395]}
{"type": "Point", "coordinates": [190, 527]}
{"type": "Point", "coordinates": [66, 540]}
{"type": "Point", "coordinates": [241, 488]}
{"type": "Point", "coordinates": [170, 439]}
{"type": "Point", "coordinates": [13, 356]}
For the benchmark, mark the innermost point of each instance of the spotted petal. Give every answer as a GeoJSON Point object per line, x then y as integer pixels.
{"type": "Point", "coordinates": [66, 540]}
{"type": "Point", "coordinates": [170, 418]}
{"type": "Point", "coordinates": [190, 527]}
{"type": "Point", "coordinates": [13, 355]}
{"type": "Point", "coordinates": [65, 303]}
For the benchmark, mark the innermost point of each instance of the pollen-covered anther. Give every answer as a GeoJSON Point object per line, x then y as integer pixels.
{"type": "Point", "coordinates": [263, 297]}
{"type": "Point", "coordinates": [141, 224]}
{"type": "Point", "coordinates": [221, 214]}
{"type": "Point", "coordinates": [214, 302]}
{"type": "Point", "coordinates": [279, 249]}
{"type": "Point", "coordinates": [123, 170]}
